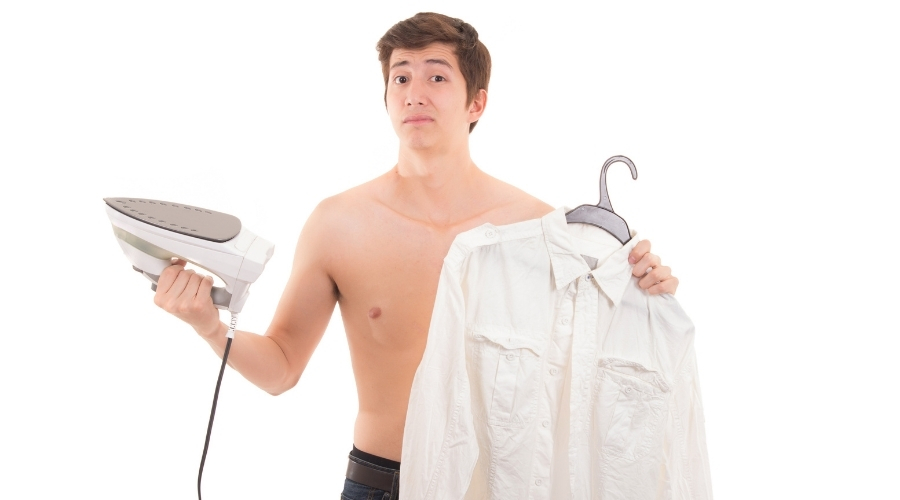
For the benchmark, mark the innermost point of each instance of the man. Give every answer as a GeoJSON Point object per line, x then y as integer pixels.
{"type": "Point", "coordinates": [377, 249]}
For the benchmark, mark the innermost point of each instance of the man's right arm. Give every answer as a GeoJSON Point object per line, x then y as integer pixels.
{"type": "Point", "coordinates": [274, 361]}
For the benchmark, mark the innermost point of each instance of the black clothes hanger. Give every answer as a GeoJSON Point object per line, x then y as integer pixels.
{"type": "Point", "coordinates": [601, 214]}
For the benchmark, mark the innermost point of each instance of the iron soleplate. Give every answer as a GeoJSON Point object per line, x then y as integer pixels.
{"type": "Point", "coordinates": [179, 218]}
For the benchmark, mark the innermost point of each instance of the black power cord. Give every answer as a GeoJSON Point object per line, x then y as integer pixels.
{"type": "Point", "coordinates": [212, 412]}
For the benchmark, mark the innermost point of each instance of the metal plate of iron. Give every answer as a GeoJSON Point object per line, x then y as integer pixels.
{"type": "Point", "coordinates": [179, 218]}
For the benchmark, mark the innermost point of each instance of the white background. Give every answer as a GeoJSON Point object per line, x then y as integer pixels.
{"type": "Point", "coordinates": [766, 140]}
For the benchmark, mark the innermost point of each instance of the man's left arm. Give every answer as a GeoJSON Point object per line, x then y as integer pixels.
{"type": "Point", "coordinates": [654, 277]}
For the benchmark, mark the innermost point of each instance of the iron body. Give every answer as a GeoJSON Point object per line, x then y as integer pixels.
{"type": "Point", "coordinates": [151, 232]}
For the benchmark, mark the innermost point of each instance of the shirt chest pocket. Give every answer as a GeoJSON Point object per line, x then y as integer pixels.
{"type": "Point", "coordinates": [505, 371]}
{"type": "Point", "coordinates": [630, 407]}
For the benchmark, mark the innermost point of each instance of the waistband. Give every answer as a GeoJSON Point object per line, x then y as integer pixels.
{"type": "Point", "coordinates": [372, 470]}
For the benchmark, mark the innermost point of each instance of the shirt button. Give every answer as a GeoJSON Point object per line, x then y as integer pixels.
{"type": "Point", "coordinates": [510, 357]}
{"type": "Point", "coordinates": [489, 233]}
{"type": "Point", "coordinates": [538, 482]}
{"type": "Point", "coordinates": [546, 423]}
{"type": "Point", "coordinates": [554, 371]}
{"type": "Point", "coordinates": [565, 321]}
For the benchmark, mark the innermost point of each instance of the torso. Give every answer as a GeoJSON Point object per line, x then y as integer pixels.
{"type": "Point", "coordinates": [386, 267]}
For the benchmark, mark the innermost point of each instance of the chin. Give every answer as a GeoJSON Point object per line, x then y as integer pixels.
{"type": "Point", "coordinates": [417, 141]}
{"type": "Point", "coordinates": [418, 145]}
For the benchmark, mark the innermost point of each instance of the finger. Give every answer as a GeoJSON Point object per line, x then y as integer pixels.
{"type": "Point", "coordinates": [667, 286]}
{"type": "Point", "coordinates": [638, 251]}
{"type": "Point", "coordinates": [181, 281]}
{"type": "Point", "coordinates": [654, 276]}
{"type": "Point", "coordinates": [164, 284]}
{"type": "Point", "coordinates": [190, 288]}
{"type": "Point", "coordinates": [203, 293]}
{"type": "Point", "coordinates": [167, 277]}
{"type": "Point", "coordinates": [177, 261]}
{"type": "Point", "coordinates": [647, 262]}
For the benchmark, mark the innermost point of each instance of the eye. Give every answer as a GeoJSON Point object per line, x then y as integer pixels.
{"type": "Point", "coordinates": [438, 78]}
{"type": "Point", "coordinates": [400, 79]}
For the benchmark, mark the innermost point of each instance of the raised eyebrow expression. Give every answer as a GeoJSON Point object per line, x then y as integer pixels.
{"type": "Point", "coordinates": [427, 61]}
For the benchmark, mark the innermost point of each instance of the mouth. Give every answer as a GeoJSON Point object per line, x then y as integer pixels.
{"type": "Point", "coordinates": [418, 119]}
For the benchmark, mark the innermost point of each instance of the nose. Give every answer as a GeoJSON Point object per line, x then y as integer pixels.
{"type": "Point", "coordinates": [415, 93]}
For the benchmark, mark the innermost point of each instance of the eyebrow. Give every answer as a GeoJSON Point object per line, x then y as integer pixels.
{"type": "Point", "coordinates": [427, 61]}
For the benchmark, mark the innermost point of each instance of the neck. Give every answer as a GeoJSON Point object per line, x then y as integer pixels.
{"type": "Point", "coordinates": [434, 167]}
{"type": "Point", "coordinates": [436, 187]}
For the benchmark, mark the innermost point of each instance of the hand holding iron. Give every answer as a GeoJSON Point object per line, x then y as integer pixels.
{"type": "Point", "coordinates": [186, 295]}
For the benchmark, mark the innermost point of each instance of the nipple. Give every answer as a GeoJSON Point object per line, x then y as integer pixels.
{"type": "Point", "coordinates": [374, 312]}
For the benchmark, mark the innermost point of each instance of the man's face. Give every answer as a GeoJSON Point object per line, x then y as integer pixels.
{"type": "Point", "coordinates": [426, 98]}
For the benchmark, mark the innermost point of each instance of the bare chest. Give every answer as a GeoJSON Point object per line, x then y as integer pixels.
{"type": "Point", "coordinates": [387, 280]}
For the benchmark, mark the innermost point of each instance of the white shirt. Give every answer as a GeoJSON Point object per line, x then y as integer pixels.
{"type": "Point", "coordinates": [544, 378]}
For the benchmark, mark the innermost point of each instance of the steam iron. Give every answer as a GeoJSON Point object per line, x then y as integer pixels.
{"type": "Point", "coordinates": [151, 232]}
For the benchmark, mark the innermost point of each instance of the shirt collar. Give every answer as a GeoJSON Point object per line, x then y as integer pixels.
{"type": "Point", "coordinates": [612, 276]}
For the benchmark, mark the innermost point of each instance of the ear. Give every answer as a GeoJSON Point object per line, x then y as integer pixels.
{"type": "Point", "coordinates": [476, 109]}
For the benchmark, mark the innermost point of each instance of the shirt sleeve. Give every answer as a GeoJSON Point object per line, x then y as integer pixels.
{"type": "Point", "coordinates": [439, 442]}
{"type": "Point", "coordinates": [687, 458]}
{"type": "Point", "coordinates": [690, 436]}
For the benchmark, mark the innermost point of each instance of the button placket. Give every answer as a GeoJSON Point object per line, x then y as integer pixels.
{"type": "Point", "coordinates": [583, 350]}
{"type": "Point", "coordinates": [558, 356]}
{"type": "Point", "coordinates": [543, 455]}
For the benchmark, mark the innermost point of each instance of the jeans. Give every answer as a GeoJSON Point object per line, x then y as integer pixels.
{"type": "Point", "coordinates": [356, 491]}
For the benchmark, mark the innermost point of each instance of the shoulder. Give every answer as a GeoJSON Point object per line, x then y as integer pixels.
{"type": "Point", "coordinates": [345, 206]}
{"type": "Point", "coordinates": [515, 205]}
{"type": "Point", "coordinates": [337, 219]}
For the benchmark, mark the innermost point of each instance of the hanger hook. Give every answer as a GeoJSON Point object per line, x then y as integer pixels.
{"type": "Point", "coordinates": [604, 196]}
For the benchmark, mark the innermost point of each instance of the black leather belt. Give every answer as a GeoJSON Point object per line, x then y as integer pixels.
{"type": "Point", "coordinates": [368, 476]}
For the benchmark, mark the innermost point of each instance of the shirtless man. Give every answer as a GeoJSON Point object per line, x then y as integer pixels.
{"type": "Point", "coordinates": [377, 249]}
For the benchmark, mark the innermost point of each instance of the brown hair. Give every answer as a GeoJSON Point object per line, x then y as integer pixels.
{"type": "Point", "coordinates": [426, 28]}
